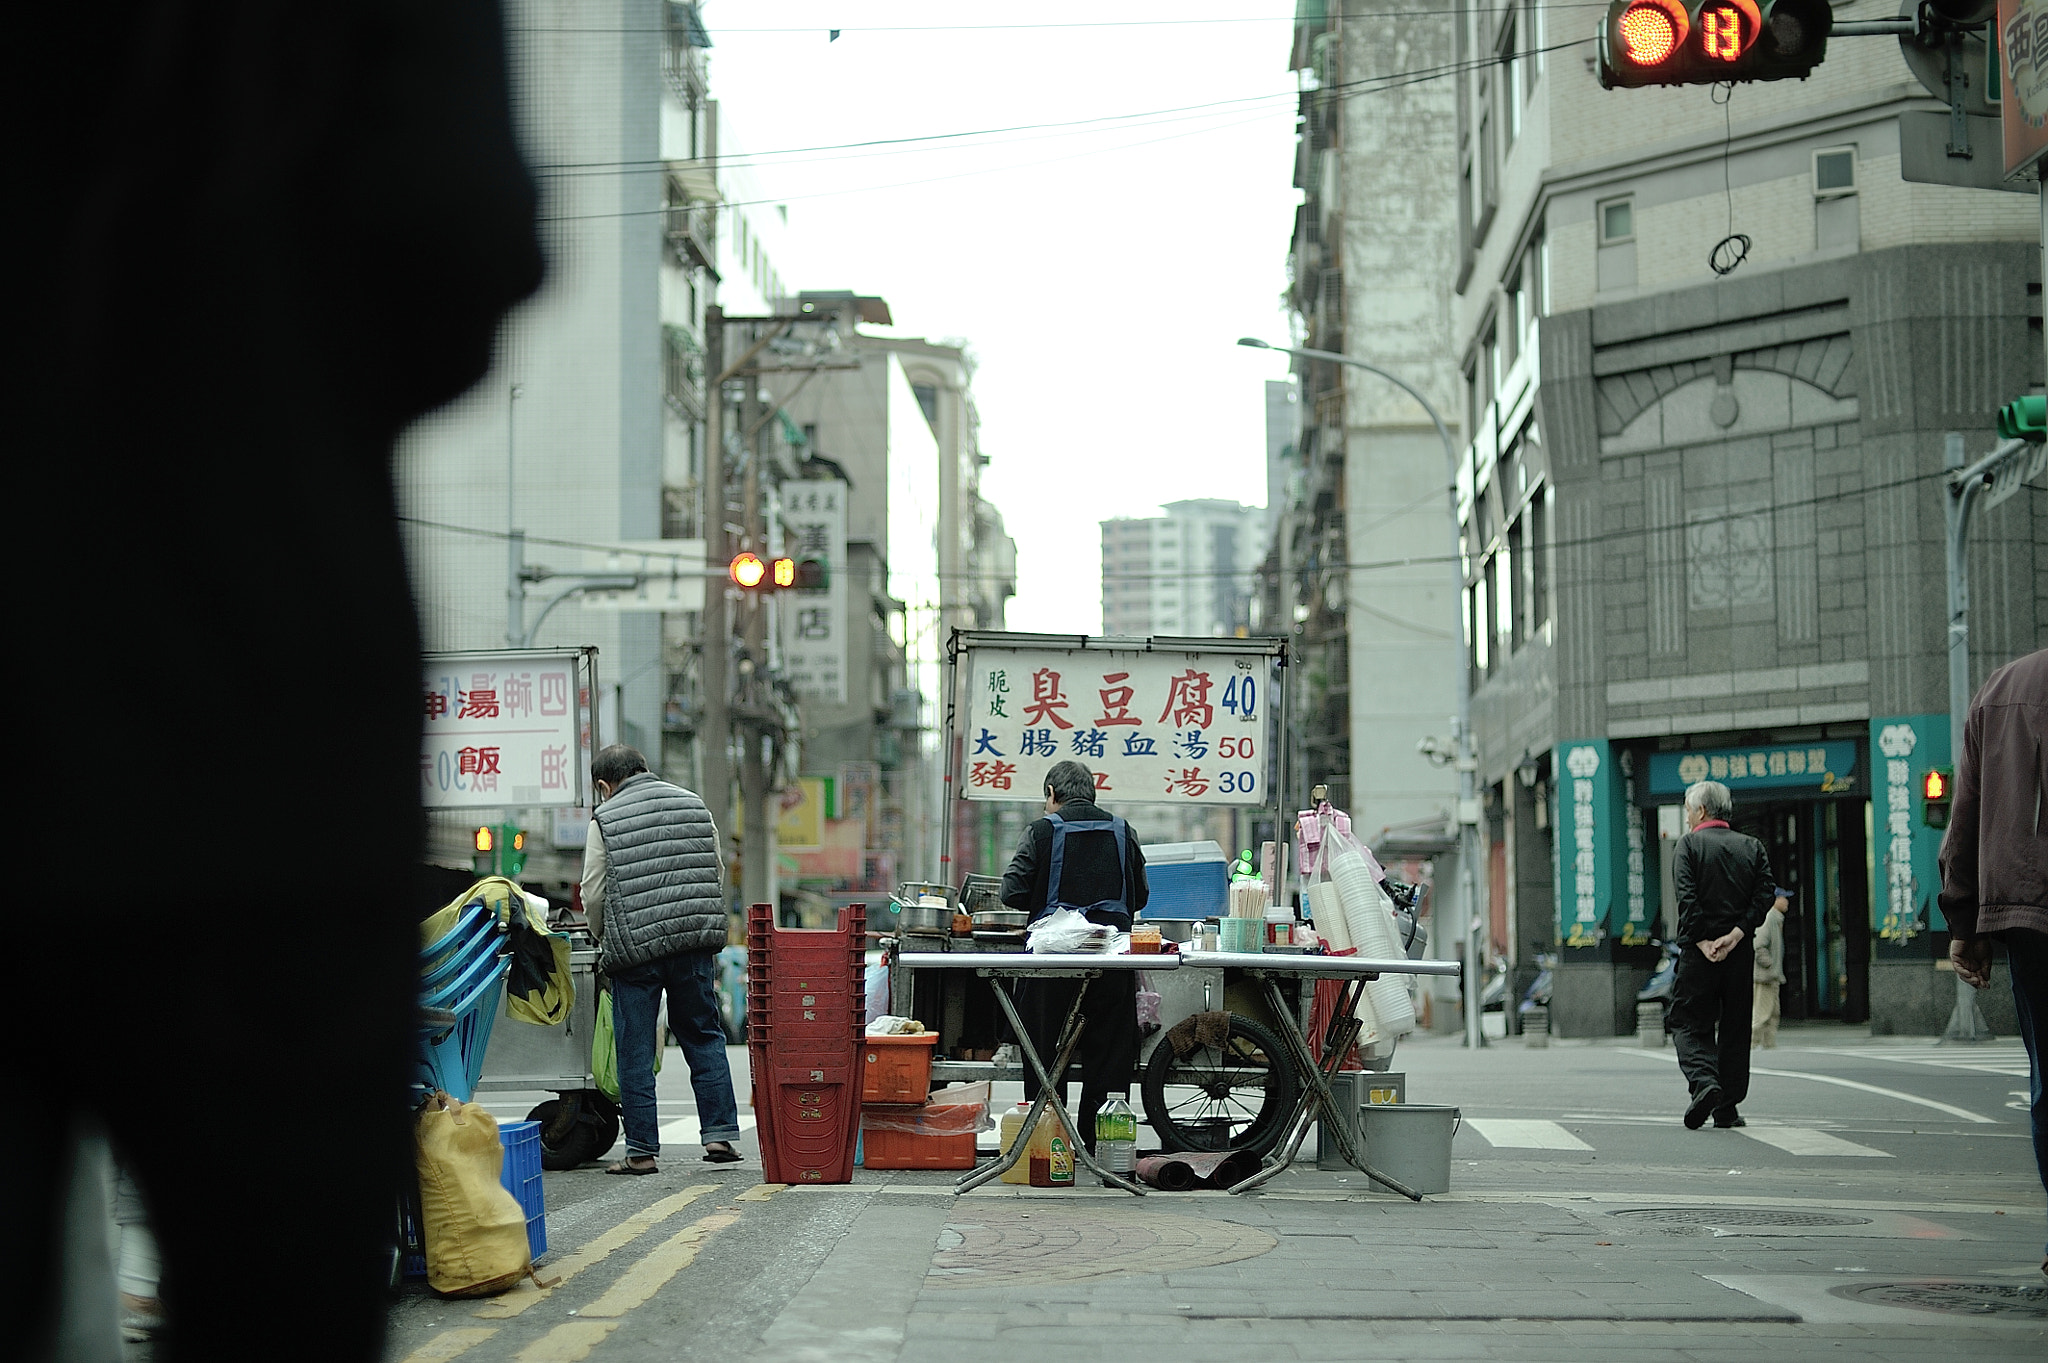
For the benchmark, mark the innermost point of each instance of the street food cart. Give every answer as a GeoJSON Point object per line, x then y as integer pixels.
{"type": "Point", "coordinates": [1173, 721]}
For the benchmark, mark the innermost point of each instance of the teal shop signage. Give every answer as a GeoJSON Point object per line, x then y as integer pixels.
{"type": "Point", "coordinates": [1906, 852]}
{"type": "Point", "coordinates": [1825, 768]}
{"type": "Point", "coordinates": [1601, 880]}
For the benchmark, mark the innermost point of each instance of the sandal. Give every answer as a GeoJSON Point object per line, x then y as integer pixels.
{"type": "Point", "coordinates": [626, 1166]}
{"type": "Point", "coordinates": [721, 1152]}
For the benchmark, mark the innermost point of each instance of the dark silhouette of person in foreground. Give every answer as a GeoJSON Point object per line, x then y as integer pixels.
{"type": "Point", "coordinates": [255, 242]}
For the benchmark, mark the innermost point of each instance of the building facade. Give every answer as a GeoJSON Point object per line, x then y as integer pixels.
{"type": "Point", "coordinates": [1711, 347]}
{"type": "Point", "coordinates": [1189, 572]}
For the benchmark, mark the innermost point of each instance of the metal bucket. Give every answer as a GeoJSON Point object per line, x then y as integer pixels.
{"type": "Point", "coordinates": [1410, 1142]}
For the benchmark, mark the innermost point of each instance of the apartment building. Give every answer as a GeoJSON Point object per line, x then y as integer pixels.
{"type": "Point", "coordinates": [1711, 342]}
{"type": "Point", "coordinates": [1188, 572]}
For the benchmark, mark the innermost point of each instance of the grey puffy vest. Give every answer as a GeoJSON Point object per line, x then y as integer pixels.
{"type": "Point", "coordinates": [663, 884]}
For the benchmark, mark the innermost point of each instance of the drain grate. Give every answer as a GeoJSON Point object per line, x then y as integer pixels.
{"type": "Point", "coordinates": [2010, 1300]}
{"type": "Point", "coordinates": [1728, 1217]}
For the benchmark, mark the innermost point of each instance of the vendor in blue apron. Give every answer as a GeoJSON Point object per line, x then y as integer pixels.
{"type": "Point", "coordinates": [1080, 857]}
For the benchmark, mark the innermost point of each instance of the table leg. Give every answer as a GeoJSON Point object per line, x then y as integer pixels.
{"type": "Point", "coordinates": [1048, 1095]}
{"type": "Point", "coordinates": [1342, 1033]}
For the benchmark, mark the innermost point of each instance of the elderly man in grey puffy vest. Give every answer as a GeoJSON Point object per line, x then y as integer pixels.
{"type": "Point", "coordinates": [654, 892]}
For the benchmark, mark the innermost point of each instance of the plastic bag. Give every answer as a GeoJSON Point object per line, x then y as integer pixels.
{"type": "Point", "coordinates": [604, 1048]}
{"type": "Point", "coordinates": [1148, 1005]}
{"type": "Point", "coordinates": [475, 1230]}
{"type": "Point", "coordinates": [876, 986]}
{"type": "Point", "coordinates": [1066, 930]}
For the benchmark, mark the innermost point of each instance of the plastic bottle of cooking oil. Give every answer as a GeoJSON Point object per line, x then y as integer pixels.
{"type": "Point", "coordinates": [1006, 1132]}
{"type": "Point", "coordinates": [1052, 1153]}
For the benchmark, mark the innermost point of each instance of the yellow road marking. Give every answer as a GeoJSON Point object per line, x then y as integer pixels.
{"type": "Point", "coordinates": [761, 1192]}
{"type": "Point", "coordinates": [567, 1343]}
{"type": "Point", "coordinates": [652, 1272]}
{"type": "Point", "coordinates": [450, 1343]}
{"type": "Point", "coordinates": [569, 1265]}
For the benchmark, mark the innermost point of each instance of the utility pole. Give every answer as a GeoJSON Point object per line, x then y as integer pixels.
{"type": "Point", "coordinates": [1993, 478]}
{"type": "Point", "coordinates": [515, 539]}
{"type": "Point", "coordinates": [753, 682]}
{"type": "Point", "coordinates": [714, 728]}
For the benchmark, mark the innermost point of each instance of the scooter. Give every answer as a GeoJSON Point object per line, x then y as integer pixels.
{"type": "Point", "coordinates": [1658, 990]}
{"type": "Point", "coordinates": [1538, 993]}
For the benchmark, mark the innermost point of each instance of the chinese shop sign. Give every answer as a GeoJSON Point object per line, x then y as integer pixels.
{"type": "Point", "coordinates": [502, 730]}
{"type": "Point", "coordinates": [1174, 727]}
{"type": "Point", "coordinates": [1905, 890]}
{"type": "Point", "coordinates": [813, 621]}
{"type": "Point", "coordinates": [1824, 768]}
{"type": "Point", "coordinates": [1587, 812]}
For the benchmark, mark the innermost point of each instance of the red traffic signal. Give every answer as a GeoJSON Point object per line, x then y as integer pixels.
{"type": "Point", "coordinates": [1704, 42]}
{"type": "Point", "coordinates": [748, 571]}
{"type": "Point", "coordinates": [1937, 789]}
{"type": "Point", "coordinates": [755, 573]}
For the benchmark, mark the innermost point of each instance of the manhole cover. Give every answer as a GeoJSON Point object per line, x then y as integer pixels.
{"type": "Point", "coordinates": [1738, 1216]}
{"type": "Point", "coordinates": [2011, 1300]}
{"type": "Point", "coordinates": [1004, 1246]}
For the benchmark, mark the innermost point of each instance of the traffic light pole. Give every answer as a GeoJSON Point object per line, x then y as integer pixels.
{"type": "Point", "coordinates": [1964, 485]}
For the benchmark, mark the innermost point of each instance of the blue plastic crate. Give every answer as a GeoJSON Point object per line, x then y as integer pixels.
{"type": "Point", "coordinates": [520, 1176]}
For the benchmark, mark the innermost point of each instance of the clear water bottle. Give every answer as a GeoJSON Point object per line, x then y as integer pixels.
{"type": "Point", "coordinates": [1116, 1136]}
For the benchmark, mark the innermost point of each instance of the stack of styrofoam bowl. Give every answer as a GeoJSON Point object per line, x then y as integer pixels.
{"type": "Point", "coordinates": [1370, 915]}
{"type": "Point", "coordinates": [1327, 910]}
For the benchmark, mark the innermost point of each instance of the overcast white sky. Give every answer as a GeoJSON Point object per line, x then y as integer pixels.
{"type": "Point", "coordinates": [1101, 274]}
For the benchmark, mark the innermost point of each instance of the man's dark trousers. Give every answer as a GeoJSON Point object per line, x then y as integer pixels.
{"type": "Point", "coordinates": [1709, 1022]}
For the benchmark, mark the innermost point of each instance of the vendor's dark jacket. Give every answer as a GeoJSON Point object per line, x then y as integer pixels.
{"type": "Point", "coordinates": [1090, 874]}
{"type": "Point", "coordinates": [1994, 858]}
{"type": "Point", "coordinates": [1723, 880]}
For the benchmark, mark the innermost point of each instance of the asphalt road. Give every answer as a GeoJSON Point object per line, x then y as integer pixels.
{"type": "Point", "coordinates": [1882, 1203]}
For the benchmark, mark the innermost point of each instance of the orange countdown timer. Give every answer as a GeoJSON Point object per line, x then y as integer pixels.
{"type": "Point", "coordinates": [1721, 32]}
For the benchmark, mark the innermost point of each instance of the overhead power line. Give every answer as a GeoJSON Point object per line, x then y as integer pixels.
{"type": "Point", "coordinates": [813, 30]}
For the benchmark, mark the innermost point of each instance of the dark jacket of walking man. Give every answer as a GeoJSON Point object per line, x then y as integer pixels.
{"type": "Point", "coordinates": [1724, 886]}
{"type": "Point", "coordinates": [654, 891]}
{"type": "Point", "coordinates": [1090, 877]}
{"type": "Point", "coordinates": [1994, 857]}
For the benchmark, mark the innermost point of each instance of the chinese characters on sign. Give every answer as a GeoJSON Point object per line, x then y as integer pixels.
{"type": "Point", "coordinates": [813, 622]}
{"type": "Point", "coordinates": [1583, 929]}
{"type": "Point", "coordinates": [1896, 742]}
{"type": "Point", "coordinates": [498, 731]}
{"type": "Point", "coordinates": [1828, 767]}
{"type": "Point", "coordinates": [1154, 727]}
{"type": "Point", "coordinates": [1635, 929]}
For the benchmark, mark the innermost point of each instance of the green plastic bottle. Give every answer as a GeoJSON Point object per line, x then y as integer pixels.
{"type": "Point", "coordinates": [1116, 1136]}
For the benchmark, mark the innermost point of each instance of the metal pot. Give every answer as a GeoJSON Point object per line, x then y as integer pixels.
{"type": "Point", "coordinates": [924, 918]}
{"type": "Point", "coordinates": [1001, 919]}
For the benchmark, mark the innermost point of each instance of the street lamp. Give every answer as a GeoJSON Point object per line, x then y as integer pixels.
{"type": "Point", "coordinates": [1467, 764]}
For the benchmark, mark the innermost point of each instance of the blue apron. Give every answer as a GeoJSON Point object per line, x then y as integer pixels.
{"type": "Point", "coordinates": [1060, 828]}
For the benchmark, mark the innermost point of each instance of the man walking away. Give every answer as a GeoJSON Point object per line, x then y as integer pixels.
{"type": "Point", "coordinates": [1994, 858]}
{"type": "Point", "coordinates": [654, 891]}
{"type": "Point", "coordinates": [1723, 880]}
{"type": "Point", "coordinates": [1770, 973]}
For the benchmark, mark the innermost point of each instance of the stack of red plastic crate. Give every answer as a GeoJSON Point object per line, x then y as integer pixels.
{"type": "Point", "coordinates": [804, 1032]}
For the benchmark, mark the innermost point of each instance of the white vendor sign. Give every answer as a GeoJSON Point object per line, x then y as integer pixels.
{"type": "Point", "coordinates": [1160, 726]}
{"type": "Point", "coordinates": [504, 730]}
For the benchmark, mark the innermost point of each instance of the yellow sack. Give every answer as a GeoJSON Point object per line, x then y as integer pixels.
{"type": "Point", "coordinates": [475, 1231]}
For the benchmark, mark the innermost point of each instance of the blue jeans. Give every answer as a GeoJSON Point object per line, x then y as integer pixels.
{"type": "Point", "coordinates": [2026, 955]}
{"type": "Point", "coordinates": [693, 1017]}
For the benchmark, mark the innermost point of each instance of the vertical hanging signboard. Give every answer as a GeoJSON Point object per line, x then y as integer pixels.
{"type": "Point", "coordinates": [2023, 53]}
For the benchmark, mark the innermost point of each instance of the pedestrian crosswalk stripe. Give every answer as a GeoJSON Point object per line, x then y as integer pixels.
{"type": "Point", "coordinates": [1799, 1140]}
{"type": "Point", "coordinates": [652, 1272]}
{"type": "Point", "coordinates": [569, 1265]}
{"type": "Point", "coordinates": [567, 1343]}
{"type": "Point", "coordinates": [450, 1344]}
{"type": "Point", "coordinates": [1523, 1134]}
{"type": "Point", "coordinates": [685, 1130]}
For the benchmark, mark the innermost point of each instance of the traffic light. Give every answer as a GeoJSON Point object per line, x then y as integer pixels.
{"type": "Point", "coordinates": [485, 859]}
{"type": "Point", "coordinates": [1937, 786]}
{"type": "Point", "coordinates": [1706, 42]}
{"type": "Point", "coordinates": [753, 573]}
{"type": "Point", "coordinates": [512, 855]}
{"type": "Point", "coordinates": [2024, 419]}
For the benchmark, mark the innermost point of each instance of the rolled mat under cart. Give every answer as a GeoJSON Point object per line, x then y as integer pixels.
{"type": "Point", "coordinates": [1178, 1173]}
{"type": "Point", "coordinates": [805, 1027]}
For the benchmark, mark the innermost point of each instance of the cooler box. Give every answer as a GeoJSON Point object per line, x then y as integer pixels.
{"type": "Point", "coordinates": [1187, 880]}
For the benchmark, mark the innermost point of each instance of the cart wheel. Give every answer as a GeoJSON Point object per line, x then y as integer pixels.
{"type": "Point", "coordinates": [1234, 1097]}
{"type": "Point", "coordinates": [573, 1133]}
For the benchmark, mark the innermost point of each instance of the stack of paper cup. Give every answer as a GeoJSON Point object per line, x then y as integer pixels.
{"type": "Point", "coordinates": [1369, 914]}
